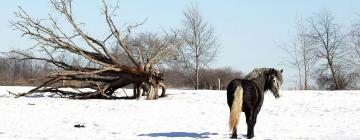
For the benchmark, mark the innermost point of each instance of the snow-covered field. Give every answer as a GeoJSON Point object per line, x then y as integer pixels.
{"type": "Point", "coordinates": [184, 114]}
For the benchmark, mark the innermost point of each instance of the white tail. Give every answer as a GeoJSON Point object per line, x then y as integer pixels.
{"type": "Point", "coordinates": [236, 108]}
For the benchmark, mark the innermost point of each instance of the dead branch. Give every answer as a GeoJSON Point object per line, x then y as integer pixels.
{"type": "Point", "coordinates": [108, 74]}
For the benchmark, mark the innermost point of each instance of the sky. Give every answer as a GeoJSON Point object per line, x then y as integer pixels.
{"type": "Point", "coordinates": [248, 31]}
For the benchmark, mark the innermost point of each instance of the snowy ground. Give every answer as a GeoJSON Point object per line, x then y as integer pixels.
{"type": "Point", "coordinates": [184, 114]}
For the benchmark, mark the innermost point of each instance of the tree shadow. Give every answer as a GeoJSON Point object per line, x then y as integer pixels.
{"type": "Point", "coordinates": [180, 135]}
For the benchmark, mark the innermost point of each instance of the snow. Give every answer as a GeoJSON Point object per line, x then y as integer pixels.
{"type": "Point", "coordinates": [184, 114]}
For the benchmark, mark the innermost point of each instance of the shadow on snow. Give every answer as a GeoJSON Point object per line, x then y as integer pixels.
{"type": "Point", "coordinates": [180, 135]}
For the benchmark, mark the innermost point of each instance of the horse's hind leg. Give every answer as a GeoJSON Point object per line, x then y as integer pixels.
{"type": "Point", "coordinates": [251, 121]}
{"type": "Point", "coordinates": [234, 133]}
{"type": "Point", "coordinates": [250, 124]}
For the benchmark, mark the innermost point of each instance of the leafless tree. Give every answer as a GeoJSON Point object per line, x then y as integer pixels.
{"type": "Point", "coordinates": [354, 56]}
{"type": "Point", "coordinates": [201, 42]}
{"type": "Point", "coordinates": [293, 60]}
{"type": "Point", "coordinates": [149, 45]}
{"type": "Point", "coordinates": [103, 71]}
{"type": "Point", "coordinates": [300, 56]}
{"type": "Point", "coordinates": [305, 50]}
{"type": "Point", "coordinates": [328, 43]}
{"type": "Point", "coordinates": [355, 40]}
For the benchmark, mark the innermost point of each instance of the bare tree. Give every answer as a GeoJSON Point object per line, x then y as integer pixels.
{"type": "Point", "coordinates": [321, 49]}
{"type": "Point", "coordinates": [328, 43]}
{"type": "Point", "coordinates": [294, 61]}
{"type": "Point", "coordinates": [300, 56]}
{"type": "Point", "coordinates": [149, 45]}
{"type": "Point", "coordinates": [355, 40]}
{"type": "Point", "coordinates": [305, 51]}
{"type": "Point", "coordinates": [354, 56]}
{"type": "Point", "coordinates": [201, 42]}
{"type": "Point", "coordinates": [107, 72]}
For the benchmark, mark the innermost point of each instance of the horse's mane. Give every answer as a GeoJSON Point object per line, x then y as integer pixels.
{"type": "Point", "coordinates": [256, 73]}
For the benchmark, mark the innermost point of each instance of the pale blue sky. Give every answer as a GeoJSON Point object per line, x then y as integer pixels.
{"type": "Point", "coordinates": [248, 31]}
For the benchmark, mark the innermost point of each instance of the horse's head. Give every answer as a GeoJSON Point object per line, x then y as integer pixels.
{"type": "Point", "coordinates": [275, 82]}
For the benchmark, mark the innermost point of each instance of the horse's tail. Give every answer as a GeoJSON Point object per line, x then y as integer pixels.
{"type": "Point", "coordinates": [236, 108]}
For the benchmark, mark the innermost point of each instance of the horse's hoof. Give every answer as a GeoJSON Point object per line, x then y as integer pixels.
{"type": "Point", "coordinates": [250, 136]}
{"type": "Point", "coordinates": [233, 136]}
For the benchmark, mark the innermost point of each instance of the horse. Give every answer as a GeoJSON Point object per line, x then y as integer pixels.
{"type": "Point", "coordinates": [247, 95]}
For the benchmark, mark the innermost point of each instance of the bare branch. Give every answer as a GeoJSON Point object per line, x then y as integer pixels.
{"type": "Point", "coordinates": [107, 74]}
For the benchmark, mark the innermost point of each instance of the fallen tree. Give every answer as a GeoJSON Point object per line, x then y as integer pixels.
{"type": "Point", "coordinates": [108, 64]}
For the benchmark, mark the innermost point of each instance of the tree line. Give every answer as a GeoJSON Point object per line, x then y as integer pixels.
{"type": "Point", "coordinates": [15, 72]}
{"type": "Point", "coordinates": [27, 73]}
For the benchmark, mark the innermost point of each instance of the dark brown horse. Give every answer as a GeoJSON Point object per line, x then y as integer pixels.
{"type": "Point", "coordinates": [247, 95]}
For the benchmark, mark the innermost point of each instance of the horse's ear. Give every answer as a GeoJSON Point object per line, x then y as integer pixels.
{"type": "Point", "coordinates": [281, 70]}
{"type": "Point", "coordinates": [272, 71]}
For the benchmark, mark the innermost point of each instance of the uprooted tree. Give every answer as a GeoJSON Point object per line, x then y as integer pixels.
{"type": "Point", "coordinates": [110, 63]}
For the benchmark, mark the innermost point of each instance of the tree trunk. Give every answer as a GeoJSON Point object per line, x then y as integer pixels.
{"type": "Point", "coordinates": [196, 78]}
{"type": "Point", "coordinates": [300, 78]}
{"type": "Point", "coordinates": [306, 87]}
{"type": "Point", "coordinates": [333, 73]}
{"type": "Point", "coordinates": [153, 94]}
{"type": "Point", "coordinates": [305, 75]}
{"type": "Point", "coordinates": [305, 53]}
{"type": "Point", "coordinates": [163, 89]}
{"type": "Point", "coordinates": [197, 69]}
